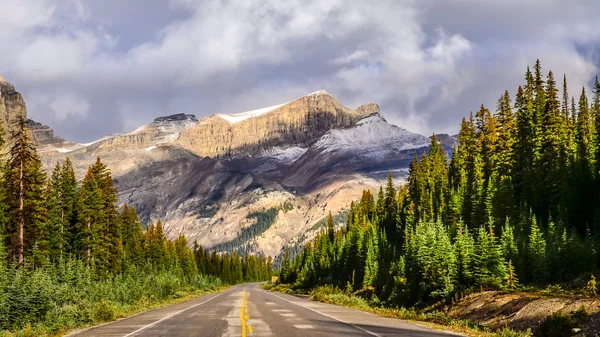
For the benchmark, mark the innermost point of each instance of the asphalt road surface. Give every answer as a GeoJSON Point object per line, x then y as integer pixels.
{"type": "Point", "coordinates": [247, 311]}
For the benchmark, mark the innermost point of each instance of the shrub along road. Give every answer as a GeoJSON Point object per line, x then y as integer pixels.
{"type": "Point", "coordinates": [247, 311]}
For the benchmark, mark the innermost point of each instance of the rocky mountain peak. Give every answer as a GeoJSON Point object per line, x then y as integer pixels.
{"type": "Point", "coordinates": [2, 78]}
{"type": "Point", "coordinates": [176, 118]}
{"type": "Point", "coordinates": [300, 122]}
{"type": "Point", "coordinates": [319, 92]}
{"type": "Point", "coordinates": [42, 134]}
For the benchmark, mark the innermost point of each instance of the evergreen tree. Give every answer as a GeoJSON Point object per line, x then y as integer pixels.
{"type": "Point", "coordinates": [536, 251]}
{"type": "Point", "coordinates": [512, 282]}
{"type": "Point", "coordinates": [464, 246]}
{"type": "Point", "coordinates": [25, 183]}
{"type": "Point", "coordinates": [490, 268]}
{"type": "Point", "coordinates": [330, 227]}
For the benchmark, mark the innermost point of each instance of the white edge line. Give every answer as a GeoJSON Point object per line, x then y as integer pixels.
{"type": "Point", "coordinates": [318, 312]}
{"type": "Point", "coordinates": [171, 315]}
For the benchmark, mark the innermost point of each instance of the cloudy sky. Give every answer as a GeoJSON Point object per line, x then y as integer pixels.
{"type": "Point", "coordinates": [88, 68]}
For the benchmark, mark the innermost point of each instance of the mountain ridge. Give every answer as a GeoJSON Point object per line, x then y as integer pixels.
{"type": "Point", "coordinates": [210, 179]}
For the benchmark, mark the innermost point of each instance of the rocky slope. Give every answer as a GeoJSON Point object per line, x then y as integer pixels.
{"type": "Point", "coordinates": [254, 181]}
{"type": "Point", "coordinates": [12, 106]}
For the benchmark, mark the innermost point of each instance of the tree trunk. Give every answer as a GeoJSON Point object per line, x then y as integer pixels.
{"type": "Point", "coordinates": [89, 248]}
{"type": "Point", "coordinates": [20, 247]}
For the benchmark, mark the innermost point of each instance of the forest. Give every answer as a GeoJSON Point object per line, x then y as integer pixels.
{"type": "Point", "coordinates": [70, 256]}
{"type": "Point", "coordinates": [517, 205]}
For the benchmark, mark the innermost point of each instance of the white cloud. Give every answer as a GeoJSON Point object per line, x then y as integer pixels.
{"type": "Point", "coordinates": [427, 63]}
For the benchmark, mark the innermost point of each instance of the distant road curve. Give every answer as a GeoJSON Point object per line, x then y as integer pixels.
{"type": "Point", "coordinates": [247, 311]}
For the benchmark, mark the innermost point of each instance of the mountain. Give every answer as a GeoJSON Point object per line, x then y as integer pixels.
{"type": "Point", "coordinates": [254, 181]}
{"type": "Point", "coordinates": [299, 122]}
{"type": "Point", "coordinates": [12, 106]}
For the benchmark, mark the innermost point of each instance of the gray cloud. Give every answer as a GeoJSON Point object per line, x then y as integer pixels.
{"type": "Point", "coordinates": [88, 68]}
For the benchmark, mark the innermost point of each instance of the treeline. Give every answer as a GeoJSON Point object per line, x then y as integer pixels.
{"type": "Point", "coordinates": [264, 220]}
{"type": "Point", "coordinates": [233, 268]}
{"type": "Point", "coordinates": [70, 256]}
{"type": "Point", "coordinates": [518, 203]}
{"type": "Point", "coordinates": [57, 218]}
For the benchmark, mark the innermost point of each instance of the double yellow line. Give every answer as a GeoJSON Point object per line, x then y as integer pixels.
{"type": "Point", "coordinates": [244, 314]}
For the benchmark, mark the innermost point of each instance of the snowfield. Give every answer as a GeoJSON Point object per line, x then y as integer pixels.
{"type": "Point", "coordinates": [371, 133]}
{"type": "Point", "coordinates": [242, 116]}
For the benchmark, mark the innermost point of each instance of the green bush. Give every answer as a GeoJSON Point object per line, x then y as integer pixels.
{"type": "Point", "coordinates": [104, 311]}
{"type": "Point", "coordinates": [41, 301]}
{"type": "Point", "coordinates": [561, 324]}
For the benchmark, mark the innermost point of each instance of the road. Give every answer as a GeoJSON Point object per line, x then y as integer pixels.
{"type": "Point", "coordinates": [247, 311]}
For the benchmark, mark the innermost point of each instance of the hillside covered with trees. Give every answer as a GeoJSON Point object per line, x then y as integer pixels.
{"type": "Point", "coordinates": [70, 256]}
{"type": "Point", "coordinates": [517, 204]}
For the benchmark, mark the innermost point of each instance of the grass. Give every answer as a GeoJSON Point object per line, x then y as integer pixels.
{"type": "Point", "coordinates": [437, 319]}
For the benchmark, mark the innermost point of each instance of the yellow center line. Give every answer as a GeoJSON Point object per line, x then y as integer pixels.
{"type": "Point", "coordinates": [244, 314]}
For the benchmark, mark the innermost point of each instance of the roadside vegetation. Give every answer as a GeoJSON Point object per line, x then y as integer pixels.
{"type": "Point", "coordinates": [70, 257]}
{"type": "Point", "coordinates": [515, 207]}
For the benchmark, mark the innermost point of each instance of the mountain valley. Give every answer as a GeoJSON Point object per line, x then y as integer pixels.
{"type": "Point", "coordinates": [254, 181]}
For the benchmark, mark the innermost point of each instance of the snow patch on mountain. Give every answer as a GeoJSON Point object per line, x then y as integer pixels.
{"type": "Point", "coordinates": [371, 133]}
{"type": "Point", "coordinates": [242, 116]}
{"type": "Point", "coordinates": [319, 92]}
{"type": "Point", "coordinates": [282, 154]}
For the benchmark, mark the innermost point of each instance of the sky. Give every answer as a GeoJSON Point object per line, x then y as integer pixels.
{"type": "Point", "coordinates": [91, 68]}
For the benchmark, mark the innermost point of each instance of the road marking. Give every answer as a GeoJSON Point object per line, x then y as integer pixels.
{"type": "Point", "coordinates": [288, 315]}
{"type": "Point", "coordinates": [169, 316]}
{"type": "Point", "coordinates": [318, 312]}
{"type": "Point", "coordinates": [242, 314]}
{"type": "Point", "coordinates": [304, 326]}
{"type": "Point", "coordinates": [250, 328]}
{"type": "Point", "coordinates": [281, 310]}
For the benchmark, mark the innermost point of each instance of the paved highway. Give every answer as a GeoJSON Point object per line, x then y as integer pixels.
{"type": "Point", "coordinates": [247, 311]}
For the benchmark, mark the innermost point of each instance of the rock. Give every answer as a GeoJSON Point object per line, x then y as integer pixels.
{"type": "Point", "coordinates": [12, 107]}
{"type": "Point", "coordinates": [43, 135]}
{"type": "Point", "coordinates": [176, 117]}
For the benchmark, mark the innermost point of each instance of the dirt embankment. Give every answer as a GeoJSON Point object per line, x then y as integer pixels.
{"type": "Point", "coordinates": [520, 311]}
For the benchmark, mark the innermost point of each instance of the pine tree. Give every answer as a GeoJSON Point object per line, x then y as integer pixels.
{"type": "Point", "coordinates": [24, 179]}
{"type": "Point", "coordinates": [512, 282]}
{"type": "Point", "coordinates": [536, 252]}
{"type": "Point", "coordinates": [132, 235]}
{"type": "Point", "coordinates": [87, 236]}
{"type": "Point", "coordinates": [583, 168]}
{"type": "Point", "coordinates": [591, 288]}
{"type": "Point", "coordinates": [330, 227]}
{"type": "Point", "coordinates": [110, 231]}
{"type": "Point", "coordinates": [522, 174]}
{"type": "Point", "coordinates": [464, 246]}
{"type": "Point", "coordinates": [490, 268]}
{"type": "Point", "coordinates": [510, 250]}
{"type": "Point", "coordinates": [595, 116]}
{"type": "Point", "coordinates": [551, 164]}
{"type": "Point", "coordinates": [67, 204]}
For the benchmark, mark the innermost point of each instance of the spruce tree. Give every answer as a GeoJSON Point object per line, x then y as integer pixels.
{"type": "Point", "coordinates": [330, 227]}
{"type": "Point", "coordinates": [67, 204]}
{"type": "Point", "coordinates": [490, 267]}
{"type": "Point", "coordinates": [512, 282]}
{"type": "Point", "coordinates": [87, 236]}
{"type": "Point", "coordinates": [464, 246]}
{"type": "Point", "coordinates": [536, 253]}
{"type": "Point", "coordinates": [24, 179]}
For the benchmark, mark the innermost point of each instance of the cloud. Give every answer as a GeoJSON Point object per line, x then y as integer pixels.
{"type": "Point", "coordinates": [111, 66]}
